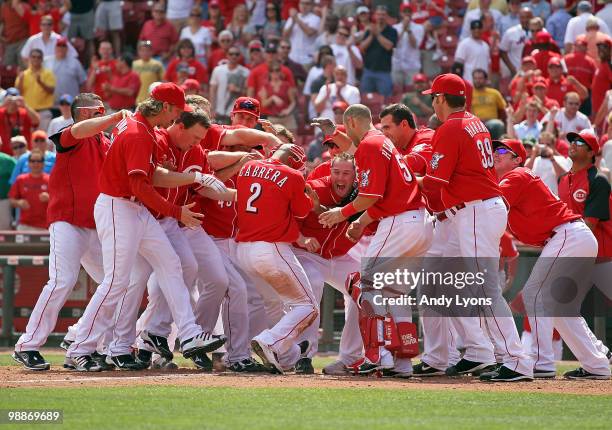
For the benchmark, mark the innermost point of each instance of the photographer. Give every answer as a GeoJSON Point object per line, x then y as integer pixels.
{"type": "Point", "coordinates": [16, 119]}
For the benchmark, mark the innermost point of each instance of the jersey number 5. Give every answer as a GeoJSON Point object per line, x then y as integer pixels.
{"type": "Point", "coordinates": [255, 190]}
{"type": "Point", "coordinates": [486, 153]}
{"type": "Point", "coordinates": [404, 168]}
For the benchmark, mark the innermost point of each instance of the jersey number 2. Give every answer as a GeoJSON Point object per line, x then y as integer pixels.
{"type": "Point", "coordinates": [486, 153]}
{"type": "Point", "coordinates": [255, 193]}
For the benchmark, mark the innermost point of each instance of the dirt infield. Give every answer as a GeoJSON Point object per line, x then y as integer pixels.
{"type": "Point", "coordinates": [16, 377]}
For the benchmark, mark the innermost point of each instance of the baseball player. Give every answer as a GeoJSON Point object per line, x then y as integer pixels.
{"type": "Point", "coordinates": [126, 228]}
{"type": "Point", "coordinates": [387, 193]}
{"type": "Point", "coordinates": [73, 189]}
{"type": "Point", "coordinates": [461, 168]}
{"type": "Point", "coordinates": [562, 233]}
{"type": "Point", "coordinates": [270, 197]}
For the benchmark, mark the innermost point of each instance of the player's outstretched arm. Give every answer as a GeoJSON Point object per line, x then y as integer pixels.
{"type": "Point", "coordinates": [164, 178]}
{"type": "Point", "coordinates": [336, 215]}
{"type": "Point", "coordinates": [92, 126]}
{"type": "Point", "coordinates": [249, 137]}
{"type": "Point", "coordinates": [328, 128]}
{"type": "Point", "coordinates": [226, 196]}
{"type": "Point", "coordinates": [229, 171]}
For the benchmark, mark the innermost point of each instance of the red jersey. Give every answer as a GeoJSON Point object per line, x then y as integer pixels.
{"type": "Point", "coordinates": [270, 197]}
{"type": "Point", "coordinates": [196, 70]}
{"type": "Point", "coordinates": [462, 161]}
{"type": "Point", "coordinates": [104, 70]}
{"type": "Point", "coordinates": [557, 90]}
{"type": "Point", "coordinates": [322, 170]}
{"type": "Point", "coordinates": [602, 82]}
{"type": "Point", "coordinates": [581, 66]}
{"type": "Point", "coordinates": [28, 187]}
{"type": "Point", "coordinates": [131, 153]}
{"type": "Point", "coordinates": [588, 194]}
{"type": "Point", "coordinates": [258, 77]}
{"type": "Point", "coordinates": [195, 159]}
{"type": "Point", "coordinates": [421, 141]}
{"type": "Point", "coordinates": [129, 80]}
{"type": "Point", "coordinates": [214, 135]}
{"type": "Point", "coordinates": [13, 124]}
{"type": "Point", "coordinates": [534, 210]}
{"type": "Point", "coordinates": [73, 183]}
{"type": "Point", "coordinates": [220, 218]}
{"type": "Point", "coordinates": [542, 58]}
{"type": "Point", "coordinates": [383, 173]}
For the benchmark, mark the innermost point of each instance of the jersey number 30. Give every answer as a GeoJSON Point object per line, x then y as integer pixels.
{"type": "Point", "coordinates": [486, 152]}
{"type": "Point", "coordinates": [255, 189]}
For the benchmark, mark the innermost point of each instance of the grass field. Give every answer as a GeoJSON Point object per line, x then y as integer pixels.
{"type": "Point", "coordinates": [174, 406]}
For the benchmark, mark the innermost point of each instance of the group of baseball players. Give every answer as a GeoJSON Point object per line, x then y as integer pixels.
{"type": "Point", "coordinates": [218, 222]}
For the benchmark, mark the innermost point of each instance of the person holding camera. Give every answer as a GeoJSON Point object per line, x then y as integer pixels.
{"type": "Point", "coordinates": [546, 161]}
{"type": "Point", "coordinates": [16, 119]}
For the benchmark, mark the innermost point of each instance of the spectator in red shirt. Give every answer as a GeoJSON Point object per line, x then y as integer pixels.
{"type": "Point", "coordinates": [15, 31]}
{"type": "Point", "coordinates": [186, 58]}
{"type": "Point", "coordinates": [559, 85]}
{"type": "Point", "coordinates": [259, 75]}
{"type": "Point", "coordinates": [579, 64]}
{"type": "Point", "coordinates": [101, 69]}
{"type": "Point", "coordinates": [30, 194]}
{"type": "Point", "coordinates": [121, 91]}
{"type": "Point", "coordinates": [544, 104]}
{"type": "Point", "coordinates": [256, 54]}
{"type": "Point", "coordinates": [16, 119]}
{"type": "Point", "coordinates": [44, 7]}
{"type": "Point", "coordinates": [278, 98]}
{"type": "Point", "coordinates": [215, 20]}
{"type": "Point", "coordinates": [160, 32]}
{"type": "Point", "coordinates": [544, 45]}
{"type": "Point", "coordinates": [602, 80]}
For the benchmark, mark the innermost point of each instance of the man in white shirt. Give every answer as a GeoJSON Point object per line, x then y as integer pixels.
{"type": "Point", "coordinates": [569, 119]}
{"type": "Point", "coordinates": [347, 54]}
{"type": "Point", "coordinates": [65, 119]}
{"type": "Point", "coordinates": [577, 25]}
{"type": "Point", "coordinates": [473, 52]}
{"type": "Point", "coordinates": [406, 61]}
{"type": "Point", "coordinates": [227, 83]}
{"type": "Point", "coordinates": [301, 29]}
{"type": "Point", "coordinates": [340, 90]}
{"type": "Point", "coordinates": [606, 14]}
{"type": "Point", "coordinates": [177, 12]}
{"type": "Point", "coordinates": [45, 41]}
{"type": "Point", "coordinates": [513, 41]}
{"type": "Point", "coordinates": [549, 166]}
{"type": "Point", "coordinates": [476, 14]}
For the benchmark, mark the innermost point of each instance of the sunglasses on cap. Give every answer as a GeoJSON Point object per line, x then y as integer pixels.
{"type": "Point", "coordinates": [502, 151]}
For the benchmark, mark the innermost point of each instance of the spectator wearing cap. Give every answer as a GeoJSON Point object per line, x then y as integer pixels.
{"type": "Point", "coordinates": [567, 119]}
{"type": "Point", "coordinates": [593, 37]}
{"type": "Point", "coordinates": [19, 145]}
{"type": "Point", "coordinates": [513, 41]}
{"type": "Point", "coordinates": [339, 107]}
{"type": "Point", "coordinates": [417, 102]}
{"type": "Point", "coordinates": [579, 64]}
{"type": "Point", "coordinates": [186, 58]}
{"type": "Point", "coordinates": [29, 193]}
{"type": "Point", "coordinates": [147, 68]}
{"type": "Point", "coordinates": [7, 164]}
{"type": "Point", "coordinates": [556, 24]}
{"type": "Point", "coordinates": [160, 32]}
{"type": "Point", "coordinates": [256, 54]}
{"type": "Point", "coordinates": [121, 91]}
{"type": "Point", "coordinates": [522, 81]}
{"type": "Point", "coordinates": [511, 18]}
{"type": "Point", "coordinates": [361, 24]}
{"type": "Point", "coordinates": [476, 15]}
{"type": "Point", "coordinates": [339, 90]}
{"type": "Point", "coordinates": [528, 129]}
{"type": "Point", "coordinates": [298, 71]}
{"type": "Point", "coordinates": [260, 74]}
{"type": "Point", "coordinates": [101, 69]}
{"type": "Point", "coordinates": [278, 98]}
{"type": "Point", "coordinates": [15, 30]}
{"type": "Point", "coordinates": [487, 103]}
{"type": "Point", "coordinates": [16, 119]}
{"type": "Point", "coordinates": [473, 52]}
{"type": "Point", "coordinates": [602, 80]}
{"type": "Point", "coordinates": [227, 83]}
{"type": "Point", "coordinates": [347, 54]}
{"type": "Point", "coordinates": [543, 102]}
{"type": "Point", "coordinates": [45, 41]}
{"type": "Point", "coordinates": [69, 73]}
{"type": "Point", "coordinates": [407, 56]}
{"type": "Point", "coordinates": [546, 162]}
{"type": "Point", "coordinates": [559, 85]}
{"type": "Point", "coordinates": [577, 25]}
{"type": "Point", "coordinates": [109, 19]}
{"type": "Point", "coordinates": [544, 45]}
{"type": "Point", "coordinates": [301, 30]}
{"type": "Point", "coordinates": [65, 118]}
{"type": "Point", "coordinates": [40, 142]}
{"type": "Point", "coordinates": [200, 36]}
{"type": "Point", "coordinates": [37, 85]}
{"type": "Point", "coordinates": [191, 87]}
{"type": "Point", "coordinates": [377, 46]}
{"type": "Point", "coordinates": [226, 41]}
{"type": "Point", "coordinates": [539, 8]}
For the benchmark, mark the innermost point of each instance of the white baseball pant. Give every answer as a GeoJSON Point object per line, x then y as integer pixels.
{"type": "Point", "coordinates": [126, 229]}
{"type": "Point", "coordinates": [570, 240]}
{"type": "Point", "coordinates": [70, 247]}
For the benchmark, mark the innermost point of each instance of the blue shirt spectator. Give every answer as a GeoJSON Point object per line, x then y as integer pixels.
{"type": "Point", "coordinates": [557, 22]}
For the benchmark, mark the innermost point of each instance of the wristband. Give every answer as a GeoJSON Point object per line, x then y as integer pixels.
{"type": "Point", "coordinates": [348, 210]}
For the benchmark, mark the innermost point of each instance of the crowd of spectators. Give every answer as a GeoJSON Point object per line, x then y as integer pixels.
{"type": "Point", "coordinates": [536, 70]}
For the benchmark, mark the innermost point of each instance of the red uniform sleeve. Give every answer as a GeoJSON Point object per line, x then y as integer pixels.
{"type": "Point", "coordinates": [444, 157]}
{"type": "Point", "coordinates": [138, 156]}
{"type": "Point", "coordinates": [67, 140]}
{"type": "Point", "coordinates": [373, 173]}
{"type": "Point", "coordinates": [418, 158]}
{"type": "Point", "coordinates": [300, 204]}
{"type": "Point", "coordinates": [512, 187]}
{"type": "Point", "coordinates": [145, 193]}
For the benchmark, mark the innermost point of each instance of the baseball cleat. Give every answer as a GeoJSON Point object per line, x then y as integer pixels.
{"type": "Point", "coordinates": [202, 362]}
{"type": "Point", "coordinates": [391, 373]}
{"type": "Point", "coordinates": [304, 347]}
{"type": "Point", "coordinates": [203, 342]}
{"type": "Point", "coordinates": [248, 365]}
{"type": "Point", "coordinates": [101, 360]}
{"type": "Point", "coordinates": [364, 367]}
{"type": "Point", "coordinates": [424, 369]}
{"type": "Point", "coordinates": [267, 356]}
{"type": "Point", "coordinates": [337, 368]}
{"type": "Point", "coordinates": [125, 362]}
{"type": "Point", "coordinates": [69, 364]}
{"type": "Point", "coordinates": [580, 373]}
{"type": "Point", "coordinates": [31, 360]}
{"type": "Point", "coordinates": [160, 363]}
{"type": "Point", "coordinates": [159, 344]}
{"type": "Point", "coordinates": [84, 363]}
{"type": "Point", "coordinates": [304, 366]}
{"type": "Point", "coordinates": [65, 344]}
{"type": "Point", "coordinates": [144, 357]}
{"type": "Point", "coordinates": [503, 374]}
{"type": "Point", "coordinates": [544, 374]}
{"type": "Point", "coordinates": [464, 367]}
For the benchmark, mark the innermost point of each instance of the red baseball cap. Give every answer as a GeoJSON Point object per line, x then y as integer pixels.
{"type": "Point", "coordinates": [340, 105]}
{"type": "Point", "coordinates": [528, 59]}
{"type": "Point", "coordinates": [514, 145]}
{"type": "Point", "coordinates": [420, 77]}
{"type": "Point", "coordinates": [39, 134]}
{"type": "Point", "coordinates": [447, 83]}
{"type": "Point", "coordinates": [543, 37]}
{"type": "Point", "coordinates": [61, 41]}
{"type": "Point", "coordinates": [190, 84]}
{"type": "Point", "coordinates": [586, 137]}
{"type": "Point", "coordinates": [554, 61]}
{"type": "Point", "coordinates": [172, 94]}
{"type": "Point", "coordinates": [405, 6]}
{"type": "Point", "coordinates": [541, 82]}
{"type": "Point", "coordinates": [246, 105]}
{"type": "Point", "coordinates": [340, 128]}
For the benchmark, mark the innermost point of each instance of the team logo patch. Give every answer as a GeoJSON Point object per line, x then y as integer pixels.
{"type": "Point", "coordinates": [580, 195]}
{"type": "Point", "coordinates": [435, 160]}
{"type": "Point", "coordinates": [365, 178]}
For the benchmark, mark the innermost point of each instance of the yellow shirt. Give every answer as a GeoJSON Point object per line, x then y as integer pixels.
{"type": "Point", "coordinates": [33, 94]}
{"type": "Point", "coordinates": [149, 72]}
{"type": "Point", "coordinates": [500, 5]}
{"type": "Point", "coordinates": [486, 103]}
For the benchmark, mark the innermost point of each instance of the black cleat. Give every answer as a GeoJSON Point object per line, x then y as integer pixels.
{"type": "Point", "coordinates": [248, 365]}
{"type": "Point", "coordinates": [304, 366]}
{"type": "Point", "coordinates": [390, 373]}
{"type": "Point", "coordinates": [544, 374]}
{"type": "Point", "coordinates": [202, 362]}
{"type": "Point", "coordinates": [424, 369]}
{"type": "Point", "coordinates": [464, 367]}
{"type": "Point", "coordinates": [125, 362]}
{"type": "Point", "coordinates": [159, 344]}
{"type": "Point", "coordinates": [65, 344]}
{"type": "Point", "coordinates": [101, 360]}
{"type": "Point", "coordinates": [580, 373]}
{"type": "Point", "coordinates": [31, 360]}
{"type": "Point", "coordinates": [203, 342]}
{"type": "Point", "coordinates": [143, 357]}
{"type": "Point", "coordinates": [503, 374]}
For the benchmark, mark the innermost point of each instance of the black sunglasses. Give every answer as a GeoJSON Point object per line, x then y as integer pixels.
{"type": "Point", "coordinates": [18, 147]}
{"type": "Point", "coordinates": [40, 140]}
{"type": "Point", "coordinates": [36, 161]}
